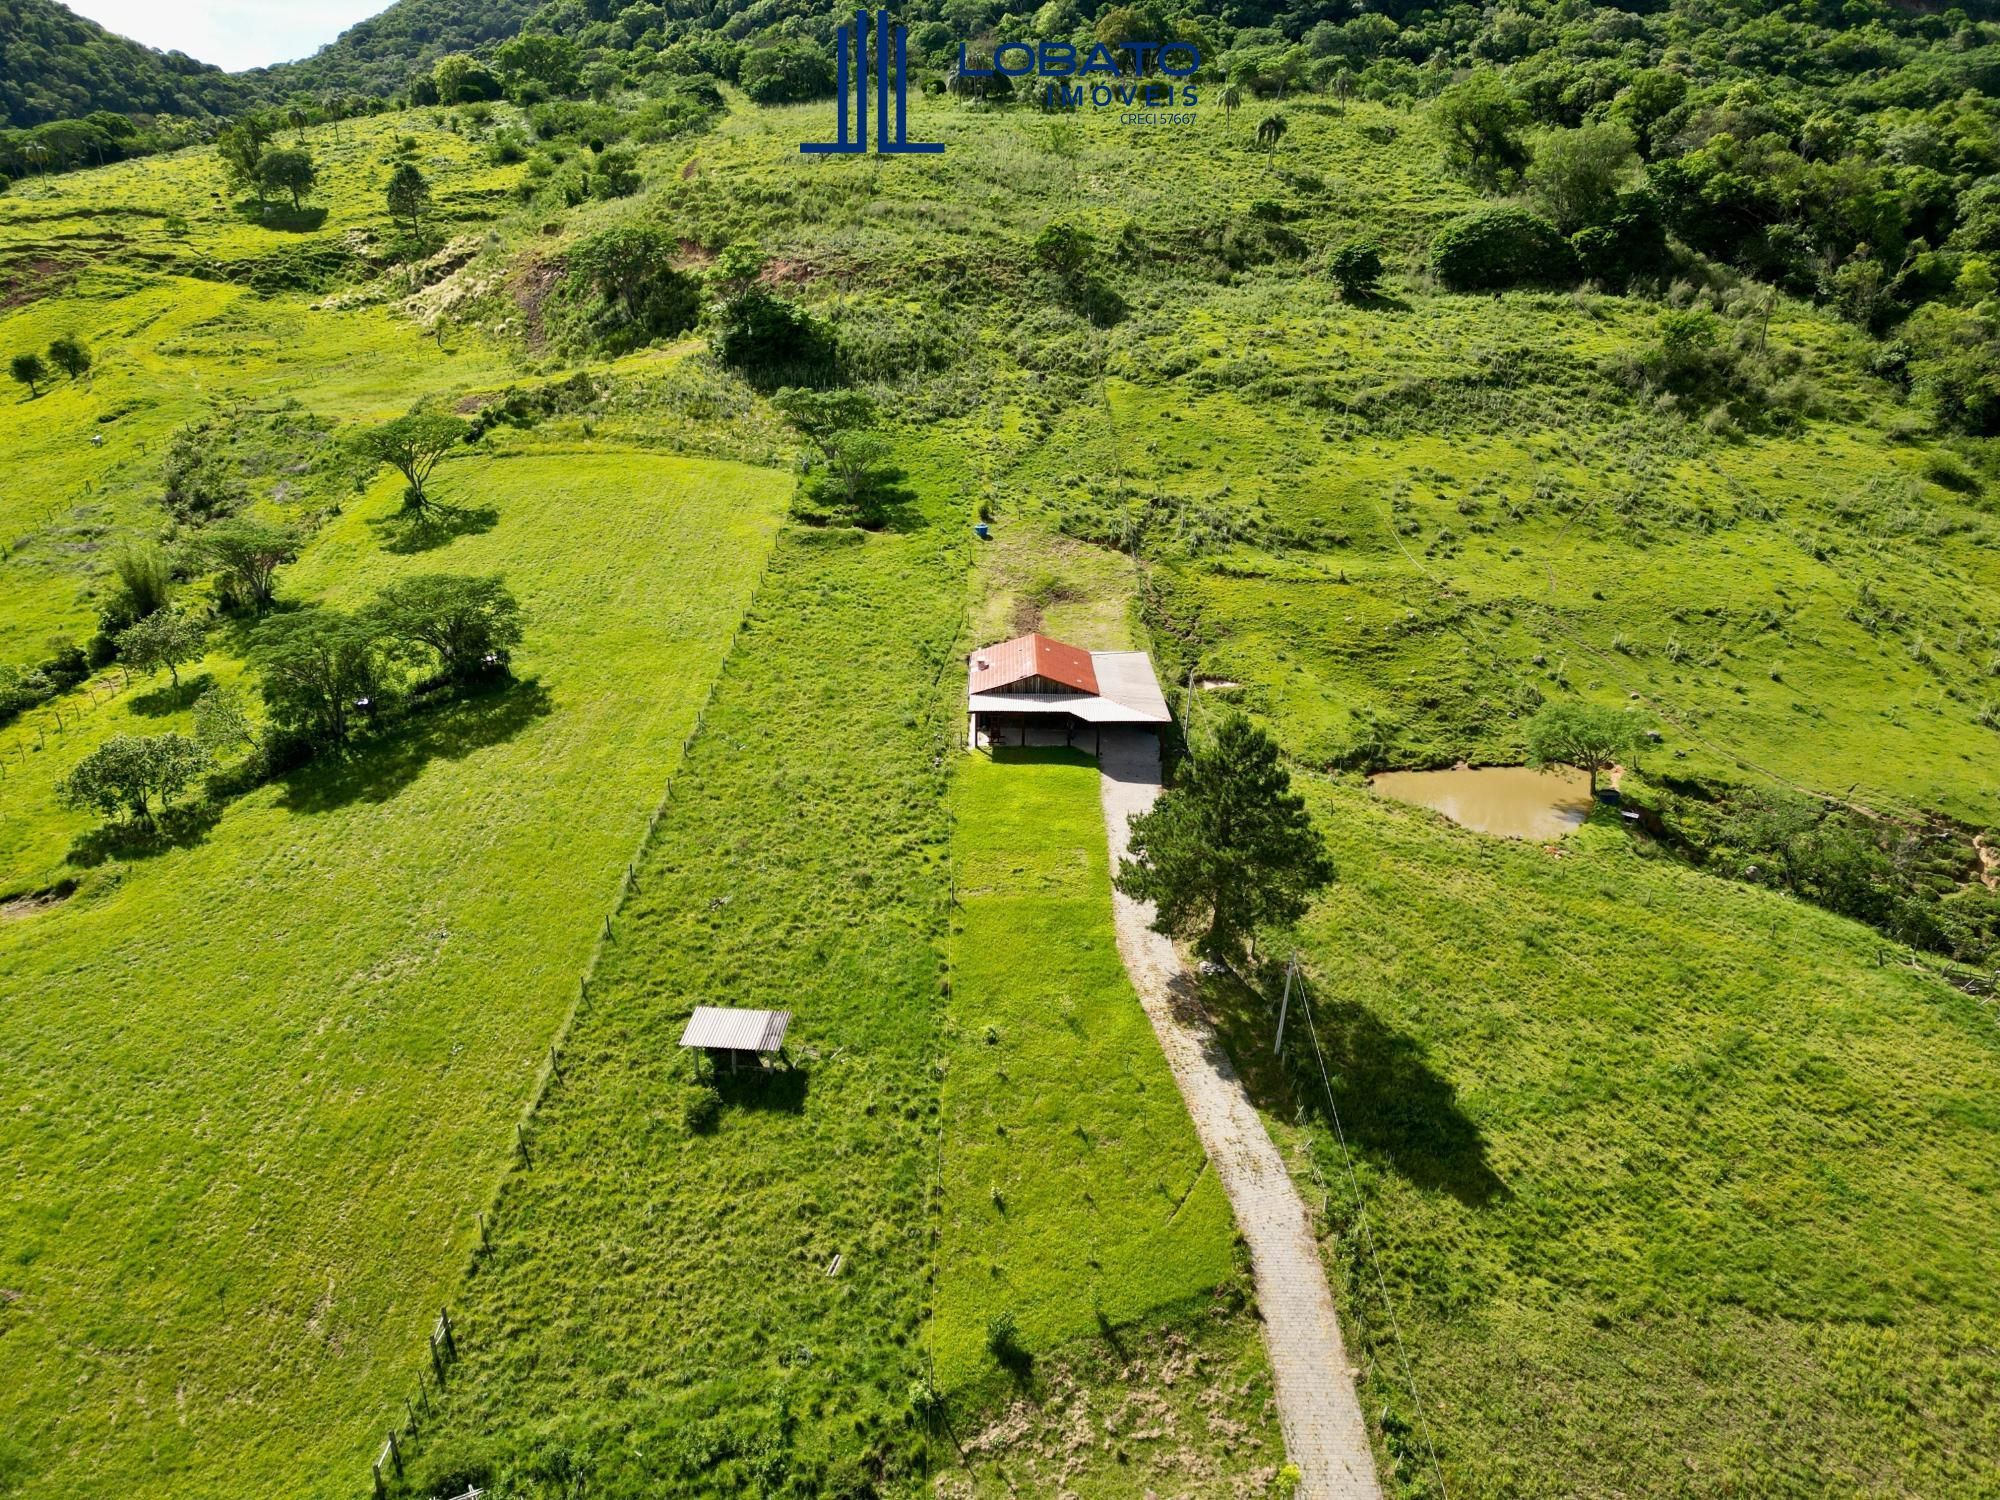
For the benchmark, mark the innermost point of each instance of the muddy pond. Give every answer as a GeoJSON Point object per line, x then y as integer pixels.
{"type": "Point", "coordinates": [1514, 801]}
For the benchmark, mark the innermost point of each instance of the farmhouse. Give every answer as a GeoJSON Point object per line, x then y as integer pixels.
{"type": "Point", "coordinates": [1032, 689]}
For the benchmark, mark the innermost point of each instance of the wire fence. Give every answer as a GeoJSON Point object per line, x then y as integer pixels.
{"type": "Point", "coordinates": [1365, 1225]}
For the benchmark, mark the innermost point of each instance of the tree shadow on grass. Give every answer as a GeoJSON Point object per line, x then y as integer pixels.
{"type": "Point", "coordinates": [376, 769]}
{"type": "Point", "coordinates": [173, 828]}
{"type": "Point", "coordinates": [1393, 1104]}
{"type": "Point", "coordinates": [281, 216]}
{"type": "Point", "coordinates": [168, 699]}
{"type": "Point", "coordinates": [405, 534]}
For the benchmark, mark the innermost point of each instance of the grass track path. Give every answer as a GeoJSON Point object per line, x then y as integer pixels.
{"type": "Point", "coordinates": [1318, 1408]}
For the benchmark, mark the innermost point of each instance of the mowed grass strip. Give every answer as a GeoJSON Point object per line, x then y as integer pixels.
{"type": "Point", "coordinates": [1077, 1198]}
{"type": "Point", "coordinates": [661, 1309]}
{"type": "Point", "coordinates": [254, 1088]}
{"type": "Point", "coordinates": [1680, 1189]}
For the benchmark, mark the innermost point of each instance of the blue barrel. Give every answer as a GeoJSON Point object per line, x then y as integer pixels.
{"type": "Point", "coordinates": [985, 533]}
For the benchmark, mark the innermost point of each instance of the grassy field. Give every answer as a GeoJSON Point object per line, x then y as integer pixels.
{"type": "Point", "coordinates": [657, 1306]}
{"type": "Point", "coordinates": [258, 1085]}
{"type": "Point", "coordinates": [1077, 1200]}
{"type": "Point", "coordinates": [1676, 1188]}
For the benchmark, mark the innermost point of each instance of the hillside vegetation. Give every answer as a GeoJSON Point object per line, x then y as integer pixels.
{"type": "Point", "coordinates": [1672, 1140]}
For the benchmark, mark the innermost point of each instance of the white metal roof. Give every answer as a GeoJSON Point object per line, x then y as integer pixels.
{"type": "Point", "coordinates": [743, 1030]}
{"type": "Point", "coordinates": [1126, 678]}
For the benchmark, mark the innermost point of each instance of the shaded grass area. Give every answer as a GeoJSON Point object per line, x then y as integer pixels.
{"type": "Point", "coordinates": [256, 1084]}
{"type": "Point", "coordinates": [1676, 1189]}
{"type": "Point", "coordinates": [1077, 1200]}
{"type": "Point", "coordinates": [660, 1309]}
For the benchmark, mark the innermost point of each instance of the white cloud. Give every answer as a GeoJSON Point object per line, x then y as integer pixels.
{"type": "Point", "coordinates": [231, 33]}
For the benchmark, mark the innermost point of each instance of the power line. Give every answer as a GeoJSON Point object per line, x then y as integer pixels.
{"type": "Point", "coordinates": [1361, 1215]}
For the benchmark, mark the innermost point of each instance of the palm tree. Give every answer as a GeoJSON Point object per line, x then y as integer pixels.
{"type": "Point", "coordinates": [296, 117]}
{"type": "Point", "coordinates": [1231, 98]}
{"type": "Point", "coordinates": [37, 153]}
{"type": "Point", "coordinates": [1270, 130]}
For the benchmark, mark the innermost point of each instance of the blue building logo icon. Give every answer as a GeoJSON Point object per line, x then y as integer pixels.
{"type": "Point", "coordinates": [885, 144]}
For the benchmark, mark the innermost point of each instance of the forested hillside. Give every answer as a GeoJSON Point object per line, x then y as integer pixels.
{"type": "Point", "coordinates": [55, 65]}
{"type": "Point", "coordinates": [377, 56]}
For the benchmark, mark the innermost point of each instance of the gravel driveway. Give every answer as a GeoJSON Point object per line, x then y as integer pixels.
{"type": "Point", "coordinates": [1317, 1405]}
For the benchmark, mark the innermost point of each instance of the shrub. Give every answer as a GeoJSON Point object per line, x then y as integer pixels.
{"type": "Point", "coordinates": [1945, 468]}
{"type": "Point", "coordinates": [1501, 247]}
{"type": "Point", "coordinates": [789, 73]}
{"type": "Point", "coordinates": [622, 292]}
{"type": "Point", "coordinates": [1003, 1337]}
{"type": "Point", "coordinates": [772, 341]}
{"type": "Point", "coordinates": [1356, 269]}
{"type": "Point", "coordinates": [701, 1110]}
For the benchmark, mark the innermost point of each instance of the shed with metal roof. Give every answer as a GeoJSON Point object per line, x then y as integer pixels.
{"type": "Point", "coordinates": [730, 1035]}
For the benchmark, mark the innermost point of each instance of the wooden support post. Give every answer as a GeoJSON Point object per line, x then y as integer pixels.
{"type": "Point", "coordinates": [444, 1321]}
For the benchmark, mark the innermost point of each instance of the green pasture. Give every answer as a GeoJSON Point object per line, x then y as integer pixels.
{"type": "Point", "coordinates": [259, 1084]}
{"type": "Point", "coordinates": [1655, 1164]}
{"type": "Point", "coordinates": [1676, 1188]}
{"type": "Point", "coordinates": [1077, 1200]}
{"type": "Point", "coordinates": [661, 1303]}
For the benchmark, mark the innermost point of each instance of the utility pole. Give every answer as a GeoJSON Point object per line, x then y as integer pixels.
{"type": "Point", "coordinates": [1284, 1005]}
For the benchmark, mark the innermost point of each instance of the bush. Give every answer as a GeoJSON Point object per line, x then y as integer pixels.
{"type": "Point", "coordinates": [1356, 269]}
{"type": "Point", "coordinates": [1502, 247]}
{"type": "Point", "coordinates": [1948, 470]}
{"type": "Point", "coordinates": [772, 341]}
{"type": "Point", "coordinates": [701, 1110]}
{"type": "Point", "coordinates": [789, 73]}
{"type": "Point", "coordinates": [1003, 1338]}
{"type": "Point", "coordinates": [622, 292]}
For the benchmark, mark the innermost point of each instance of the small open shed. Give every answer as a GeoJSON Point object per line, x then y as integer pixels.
{"type": "Point", "coordinates": [736, 1036]}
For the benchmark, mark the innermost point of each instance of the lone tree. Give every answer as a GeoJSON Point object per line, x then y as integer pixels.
{"type": "Point", "coordinates": [30, 371]}
{"type": "Point", "coordinates": [1229, 849]}
{"type": "Point", "coordinates": [288, 171]}
{"type": "Point", "coordinates": [67, 354]}
{"type": "Point", "coordinates": [318, 669]}
{"type": "Point", "coordinates": [409, 197]}
{"type": "Point", "coordinates": [247, 552]}
{"type": "Point", "coordinates": [1356, 269]}
{"type": "Point", "coordinates": [839, 425]}
{"type": "Point", "coordinates": [161, 639]}
{"type": "Point", "coordinates": [413, 446]}
{"type": "Point", "coordinates": [1270, 130]}
{"type": "Point", "coordinates": [1588, 736]}
{"type": "Point", "coordinates": [128, 771]}
{"type": "Point", "coordinates": [461, 620]}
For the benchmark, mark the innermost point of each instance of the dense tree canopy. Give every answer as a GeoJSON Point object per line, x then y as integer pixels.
{"type": "Point", "coordinates": [1229, 849]}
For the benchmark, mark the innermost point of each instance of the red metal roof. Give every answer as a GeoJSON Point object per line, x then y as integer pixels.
{"type": "Point", "coordinates": [993, 667]}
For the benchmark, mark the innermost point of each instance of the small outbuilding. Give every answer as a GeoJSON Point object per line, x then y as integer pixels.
{"type": "Point", "coordinates": [736, 1036]}
{"type": "Point", "coordinates": [1034, 689]}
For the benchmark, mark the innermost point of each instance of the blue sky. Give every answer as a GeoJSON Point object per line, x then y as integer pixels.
{"type": "Point", "coordinates": [232, 33]}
